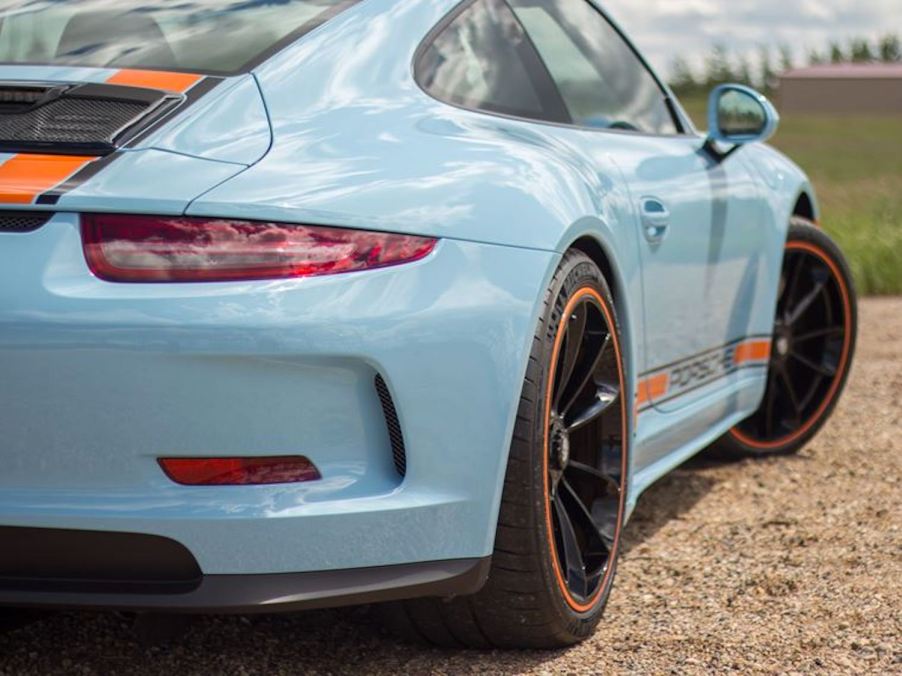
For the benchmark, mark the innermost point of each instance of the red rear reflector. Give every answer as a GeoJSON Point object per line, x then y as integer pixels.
{"type": "Point", "coordinates": [239, 471]}
{"type": "Point", "coordinates": [179, 249]}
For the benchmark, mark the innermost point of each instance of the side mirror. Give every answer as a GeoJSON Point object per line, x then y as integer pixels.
{"type": "Point", "coordinates": [738, 115]}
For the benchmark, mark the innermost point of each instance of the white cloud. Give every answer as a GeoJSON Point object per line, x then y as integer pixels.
{"type": "Point", "coordinates": [664, 29]}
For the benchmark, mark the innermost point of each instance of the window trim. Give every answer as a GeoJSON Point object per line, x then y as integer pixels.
{"type": "Point", "coordinates": [681, 122]}
{"type": "Point", "coordinates": [247, 67]}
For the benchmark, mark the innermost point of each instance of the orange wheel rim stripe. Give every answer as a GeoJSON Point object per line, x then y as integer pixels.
{"type": "Point", "coordinates": [558, 341]}
{"type": "Point", "coordinates": [843, 359]}
{"type": "Point", "coordinates": [24, 177]}
{"type": "Point", "coordinates": [155, 79]}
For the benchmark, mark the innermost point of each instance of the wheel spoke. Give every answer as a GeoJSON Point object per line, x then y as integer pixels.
{"type": "Point", "coordinates": [830, 332]}
{"type": "Point", "coordinates": [829, 372]}
{"type": "Point", "coordinates": [575, 567]}
{"type": "Point", "coordinates": [809, 396]}
{"type": "Point", "coordinates": [573, 341]}
{"type": "Point", "coordinates": [587, 377]}
{"type": "Point", "coordinates": [790, 391]}
{"type": "Point", "coordinates": [584, 514]}
{"type": "Point", "coordinates": [605, 396]}
{"type": "Point", "coordinates": [789, 292]}
{"type": "Point", "coordinates": [771, 398]}
{"type": "Point", "coordinates": [807, 301]}
{"type": "Point", "coordinates": [609, 481]}
{"type": "Point", "coordinates": [606, 522]}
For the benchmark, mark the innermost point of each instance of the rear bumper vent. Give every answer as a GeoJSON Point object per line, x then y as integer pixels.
{"type": "Point", "coordinates": [22, 221]}
{"type": "Point", "coordinates": [89, 119]}
{"type": "Point", "coordinates": [47, 560]}
{"type": "Point", "coordinates": [399, 454]}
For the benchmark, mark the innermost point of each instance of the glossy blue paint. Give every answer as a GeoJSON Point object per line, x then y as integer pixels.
{"type": "Point", "coordinates": [148, 181]}
{"type": "Point", "coordinates": [102, 378]}
{"type": "Point", "coordinates": [228, 125]}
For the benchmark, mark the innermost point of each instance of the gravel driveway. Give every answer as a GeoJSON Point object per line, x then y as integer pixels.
{"type": "Point", "coordinates": [775, 566]}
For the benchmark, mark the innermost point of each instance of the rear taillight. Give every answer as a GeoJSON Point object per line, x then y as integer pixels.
{"type": "Point", "coordinates": [180, 249]}
{"type": "Point", "coordinates": [239, 471]}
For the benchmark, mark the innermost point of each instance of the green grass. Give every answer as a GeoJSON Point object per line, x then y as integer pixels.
{"type": "Point", "coordinates": [855, 164]}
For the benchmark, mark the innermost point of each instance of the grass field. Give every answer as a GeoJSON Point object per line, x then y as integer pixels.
{"type": "Point", "coordinates": [856, 166]}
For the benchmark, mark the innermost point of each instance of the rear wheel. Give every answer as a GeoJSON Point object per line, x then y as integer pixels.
{"type": "Point", "coordinates": [812, 350]}
{"type": "Point", "coordinates": [563, 502]}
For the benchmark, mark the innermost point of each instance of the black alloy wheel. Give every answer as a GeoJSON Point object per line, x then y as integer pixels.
{"type": "Point", "coordinates": [811, 351]}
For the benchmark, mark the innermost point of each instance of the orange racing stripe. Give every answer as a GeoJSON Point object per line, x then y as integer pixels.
{"type": "Point", "coordinates": [651, 388]}
{"type": "Point", "coordinates": [749, 352]}
{"type": "Point", "coordinates": [753, 350]}
{"type": "Point", "coordinates": [24, 177]}
{"type": "Point", "coordinates": [155, 79]}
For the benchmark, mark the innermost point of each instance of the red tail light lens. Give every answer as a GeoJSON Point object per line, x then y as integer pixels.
{"type": "Point", "coordinates": [180, 249]}
{"type": "Point", "coordinates": [239, 471]}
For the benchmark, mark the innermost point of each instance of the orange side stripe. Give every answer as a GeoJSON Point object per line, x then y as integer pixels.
{"type": "Point", "coordinates": [753, 350]}
{"type": "Point", "coordinates": [155, 79]}
{"type": "Point", "coordinates": [24, 177]}
{"type": "Point", "coordinates": [652, 388]}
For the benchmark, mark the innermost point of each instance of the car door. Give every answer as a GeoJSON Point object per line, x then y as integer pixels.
{"type": "Point", "coordinates": [699, 221]}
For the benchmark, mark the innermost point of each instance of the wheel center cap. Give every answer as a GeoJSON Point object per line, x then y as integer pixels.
{"type": "Point", "coordinates": [782, 346]}
{"type": "Point", "coordinates": [560, 443]}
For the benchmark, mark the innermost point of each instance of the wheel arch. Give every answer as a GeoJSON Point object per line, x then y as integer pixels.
{"type": "Point", "coordinates": [806, 206]}
{"type": "Point", "coordinates": [593, 248]}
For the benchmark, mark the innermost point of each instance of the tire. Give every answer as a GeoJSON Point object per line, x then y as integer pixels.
{"type": "Point", "coordinates": [529, 600]}
{"type": "Point", "coordinates": [788, 419]}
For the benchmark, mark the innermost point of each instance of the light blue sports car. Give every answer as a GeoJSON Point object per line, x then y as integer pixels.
{"type": "Point", "coordinates": [318, 302]}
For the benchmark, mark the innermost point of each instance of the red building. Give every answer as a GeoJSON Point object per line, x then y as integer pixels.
{"type": "Point", "coordinates": [842, 88]}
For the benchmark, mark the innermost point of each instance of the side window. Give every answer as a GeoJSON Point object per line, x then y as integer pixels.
{"type": "Point", "coordinates": [602, 81]}
{"type": "Point", "coordinates": [484, 60]}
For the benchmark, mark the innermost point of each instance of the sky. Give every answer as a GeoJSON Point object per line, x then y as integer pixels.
{"type": "Point", "coordinates": [665, 28]}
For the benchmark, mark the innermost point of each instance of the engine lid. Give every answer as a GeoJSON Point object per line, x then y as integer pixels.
{"type": "Point", "coordinates": [123, 139]}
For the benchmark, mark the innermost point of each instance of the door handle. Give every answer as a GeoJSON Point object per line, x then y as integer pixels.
{"type": "Point", "coordinates": [655, 219]}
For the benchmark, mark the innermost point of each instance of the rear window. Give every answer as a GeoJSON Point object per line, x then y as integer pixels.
{"type": "Point", "coordinates": [206, 36]}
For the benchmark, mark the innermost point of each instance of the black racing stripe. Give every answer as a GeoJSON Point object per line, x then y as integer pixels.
{"type": "Point", "coordinates": [705, 353]}
{"type": "Point", "coordinates": [193, 95]}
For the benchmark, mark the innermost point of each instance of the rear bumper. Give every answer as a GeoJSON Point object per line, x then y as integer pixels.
{"type": "Point", "coordinates": [99, 380]}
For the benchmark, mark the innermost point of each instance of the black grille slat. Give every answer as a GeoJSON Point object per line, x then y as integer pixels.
{"type": "Point", "coordinates": [22, 221]}
{"type": "Point", "coordinates": [70, 120]}
{"type": "Point", "coordinates": [18, 99]}
{"type": "Point", "coordinates": [399, 453]}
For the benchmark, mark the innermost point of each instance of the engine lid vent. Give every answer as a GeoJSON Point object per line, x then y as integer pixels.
{"type": "Point", "coordinates": [89, 119]}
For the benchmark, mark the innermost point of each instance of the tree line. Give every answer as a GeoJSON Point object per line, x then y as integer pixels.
{"type": "Point", "coordinates": [721, 65]}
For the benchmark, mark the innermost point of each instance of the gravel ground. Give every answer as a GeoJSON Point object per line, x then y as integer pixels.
{"type": "Point", "coordinates": [789, 565]}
